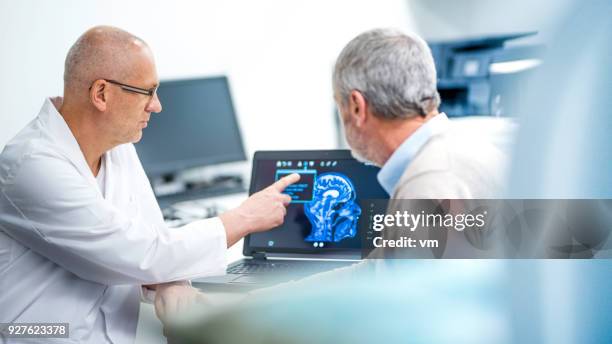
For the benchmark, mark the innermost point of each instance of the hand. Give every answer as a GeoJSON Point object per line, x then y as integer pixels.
{"type": "Point", "coordinates": [174, 297]}
{"type": "Point", "coordinates": [266, 209]}
{"type": "Point", "coordinates": [262, 211]}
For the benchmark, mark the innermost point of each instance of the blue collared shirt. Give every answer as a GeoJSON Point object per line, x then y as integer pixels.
{"type": "Point", "coordinates": [391, 172]}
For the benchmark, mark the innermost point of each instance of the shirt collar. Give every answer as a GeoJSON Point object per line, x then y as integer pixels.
{"type": "Point", "coordinates": [391, 172]}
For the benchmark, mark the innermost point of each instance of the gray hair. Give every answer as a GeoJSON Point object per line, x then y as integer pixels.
{"type": "Point", "coordinates": [101, 52]}
{"type": "Point", "coordinates": [394, 71]}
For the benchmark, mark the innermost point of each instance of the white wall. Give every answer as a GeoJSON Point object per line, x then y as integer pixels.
{"type": "Point", "coordinates": [278, 55]}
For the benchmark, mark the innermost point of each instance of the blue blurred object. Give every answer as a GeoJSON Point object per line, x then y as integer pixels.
{"type": "Point", "coordinates": [563, 151]}
{"type": "Point", "coordinates": [424, 301]}
{"type": "Point", "coordinates": [564, 146]}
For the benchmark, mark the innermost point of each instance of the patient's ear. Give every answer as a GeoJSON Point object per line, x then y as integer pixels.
{"type": "Point", "coordinates": [358, 108]}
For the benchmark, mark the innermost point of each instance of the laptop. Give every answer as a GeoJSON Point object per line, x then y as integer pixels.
{"type": "Point", "coordinates": [325, 220]}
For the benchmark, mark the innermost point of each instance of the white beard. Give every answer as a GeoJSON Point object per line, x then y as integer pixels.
{"type": "Point", "coordinates": [359, 148]}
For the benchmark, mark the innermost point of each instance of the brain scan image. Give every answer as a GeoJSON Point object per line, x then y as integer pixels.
{"type": "Point", "coordinates": [333, 211]}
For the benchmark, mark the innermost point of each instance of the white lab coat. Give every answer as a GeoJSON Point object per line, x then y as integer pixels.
{"type": "Point", "coordinates": [70, 254]}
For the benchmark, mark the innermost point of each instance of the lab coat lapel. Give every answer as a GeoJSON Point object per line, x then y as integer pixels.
{"type": "Point", "coordinates": [59, 131]}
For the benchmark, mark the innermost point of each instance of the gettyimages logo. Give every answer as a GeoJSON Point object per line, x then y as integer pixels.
{"type": "Point", "coordinates": [458, 222]}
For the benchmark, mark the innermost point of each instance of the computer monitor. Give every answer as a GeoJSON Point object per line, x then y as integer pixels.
{"type": "Point", "coordinates": [197, 127]}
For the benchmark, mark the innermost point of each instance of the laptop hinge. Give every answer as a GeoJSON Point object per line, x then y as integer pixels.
{"type": "Point", "coordinates": [259, 255]}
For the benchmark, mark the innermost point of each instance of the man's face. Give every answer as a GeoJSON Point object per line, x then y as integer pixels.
{"type": "Point", "coordinates": [130, 112]}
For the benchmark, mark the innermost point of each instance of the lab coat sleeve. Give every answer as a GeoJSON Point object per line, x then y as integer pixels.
{"type": "Point", "coordinates": [49, 207]}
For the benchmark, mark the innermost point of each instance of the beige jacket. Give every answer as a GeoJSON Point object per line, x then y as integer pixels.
{"type": "Point", "coordinates": [468, 160]}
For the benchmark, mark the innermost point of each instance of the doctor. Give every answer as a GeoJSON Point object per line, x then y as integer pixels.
{"type": "Point", "coordinates": [80, 229]}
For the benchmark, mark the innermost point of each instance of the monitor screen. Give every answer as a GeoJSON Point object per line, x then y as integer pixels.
{"type": "Point", "coordinates": [330, 207]}
{"type": "Point", "coordinates": [196, 127]}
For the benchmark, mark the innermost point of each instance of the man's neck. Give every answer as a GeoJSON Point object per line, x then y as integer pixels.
{"type": "Point", "coordinates": [87, 135]}
{"type": "Point", "coordinates": [393, 133]}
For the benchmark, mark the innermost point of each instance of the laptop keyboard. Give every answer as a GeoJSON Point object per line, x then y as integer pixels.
{"type": "Point", "coordinates": [251, 268]}
{"type": "Point", "coordinates": [281, 267]}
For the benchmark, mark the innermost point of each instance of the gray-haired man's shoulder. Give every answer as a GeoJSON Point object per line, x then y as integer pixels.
{"type": "Point", "coordinates": [469, 160]}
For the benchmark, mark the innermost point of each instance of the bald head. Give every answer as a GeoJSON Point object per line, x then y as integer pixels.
{"type": "Point", "coordinates": [101, 52]}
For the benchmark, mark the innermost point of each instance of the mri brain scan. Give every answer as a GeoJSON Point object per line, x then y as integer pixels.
{"type": "Point", "coordinates": [333, 211]}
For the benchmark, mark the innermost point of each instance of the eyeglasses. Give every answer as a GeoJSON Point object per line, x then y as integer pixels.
{"type": "Point", "coordinates": [128, 88]}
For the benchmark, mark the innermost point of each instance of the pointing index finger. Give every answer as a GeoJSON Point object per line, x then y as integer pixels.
{"type": "Point", "coordinates": [282, 183]}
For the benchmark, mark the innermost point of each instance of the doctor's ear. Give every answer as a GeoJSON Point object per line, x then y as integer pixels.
{"type": "Point", "coordinates": [357, 108]}
{"type": "Point", "coordinates": [98, 94]}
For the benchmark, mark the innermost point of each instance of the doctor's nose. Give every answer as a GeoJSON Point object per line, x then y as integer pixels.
{"type": "Point", "coordinates": [154, 105]}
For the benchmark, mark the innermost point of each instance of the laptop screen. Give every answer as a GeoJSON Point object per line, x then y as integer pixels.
{"type": "Point", "coordinates": [329, 208]}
